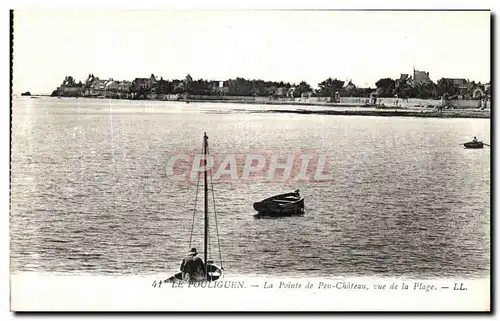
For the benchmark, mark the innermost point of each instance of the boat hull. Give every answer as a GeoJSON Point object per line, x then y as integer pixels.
{"type": "Point", "coordinates": [474, 145]}
{"type": "Point", "coordinates": [214, 273]}
{"type": "Point", "coordinates": [289, 204]}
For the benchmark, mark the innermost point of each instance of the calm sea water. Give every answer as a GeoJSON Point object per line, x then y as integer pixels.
{"type": "Point", "coordinates": [89, 192]}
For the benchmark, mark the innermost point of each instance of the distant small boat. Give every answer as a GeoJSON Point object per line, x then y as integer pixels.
{"type": "Point", "coordinates": [475, 145]}
{"type": "Point", "coordinates": [288, 204]}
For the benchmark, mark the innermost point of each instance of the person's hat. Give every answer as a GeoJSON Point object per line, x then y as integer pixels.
{"type": "Point", "coordinates": [193, 251]}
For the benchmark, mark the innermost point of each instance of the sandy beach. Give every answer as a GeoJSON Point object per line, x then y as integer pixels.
{"type": "Point", "coordinates": [465, 113]}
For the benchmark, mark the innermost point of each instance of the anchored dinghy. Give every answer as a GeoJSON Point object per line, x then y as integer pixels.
{"type": "Point", "coordinates": [288, 204]}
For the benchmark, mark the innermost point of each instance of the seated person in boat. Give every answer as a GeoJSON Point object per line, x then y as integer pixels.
{"type": "Point", "coordinates": [192, 267]}
{"type": "Point", "coordinates": [474, 140]}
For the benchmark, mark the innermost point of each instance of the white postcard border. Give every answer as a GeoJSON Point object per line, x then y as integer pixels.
{"type": "Point", "coordinates": [5, 140]}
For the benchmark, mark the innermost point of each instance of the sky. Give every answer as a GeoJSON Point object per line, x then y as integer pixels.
{"type": "Point", "coordinates": [293, 46]}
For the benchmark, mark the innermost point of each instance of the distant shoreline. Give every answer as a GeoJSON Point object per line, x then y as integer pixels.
{"type": "Point", "coordinates": [387, 113]}
{"type": "Point", "coordinates": [381, 110]}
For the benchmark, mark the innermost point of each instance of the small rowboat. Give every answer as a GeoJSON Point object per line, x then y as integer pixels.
{"type": "Point", "coordinates": [288, 204]}
{"type": "Point", "coordinates": [474, 145]}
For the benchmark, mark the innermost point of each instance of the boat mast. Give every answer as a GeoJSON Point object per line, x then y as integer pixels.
{"type": "Point", "coordinates": [205, 145]}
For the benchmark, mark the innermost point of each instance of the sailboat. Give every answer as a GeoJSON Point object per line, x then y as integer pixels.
{"type": "Point", "coordinates": [212, 271]}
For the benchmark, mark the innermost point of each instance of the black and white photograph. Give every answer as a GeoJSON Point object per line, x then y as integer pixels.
{"type": "Point", "coordinates": [250, 160]}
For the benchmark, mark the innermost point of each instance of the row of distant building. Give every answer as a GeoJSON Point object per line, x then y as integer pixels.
{"type": "Point", "coordinates": [151, 87]}
{"type": "Point", "coordinates": [95, 87]}
{"type": "Point", "coordinates": [464, 87]}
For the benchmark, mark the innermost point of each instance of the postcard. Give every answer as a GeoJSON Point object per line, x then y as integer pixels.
{"type": "Point", "coordinates": [250, 160]}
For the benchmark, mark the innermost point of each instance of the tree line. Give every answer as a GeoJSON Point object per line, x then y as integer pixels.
{"type": "Point", "coordinates": [331, 87]}
{"type": "Point", "coordinates": [255, 87]}
{"type": "Point", "coordinates": [387, 87]}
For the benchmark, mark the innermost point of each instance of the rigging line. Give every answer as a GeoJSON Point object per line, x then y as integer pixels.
{"type": "Point", "coordinates": [194, 209]}
{"type": "Point", "coordinates": [209, 250]}
{"type": "Point", "coordinates": [215, 214]}
{"type": "Point", "coordinates": [209, 242]}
